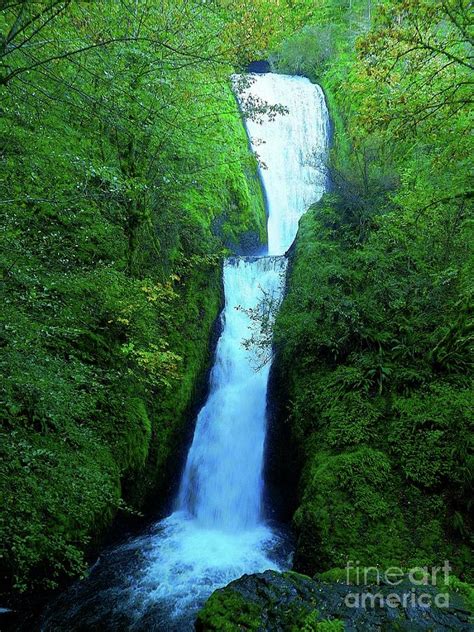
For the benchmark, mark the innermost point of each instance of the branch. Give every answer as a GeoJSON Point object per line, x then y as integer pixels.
{"type": "Point", "coordinates": [15, 31]}
{"type": "Point", "coordinates": [37, 30]}
{"type": "Point", "coordinates": [115, 40]}
{"type": "Point", "coordinates": [466, 195]}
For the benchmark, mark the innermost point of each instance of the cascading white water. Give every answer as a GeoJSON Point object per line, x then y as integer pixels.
{"type": "Point", "coordinates": [222, 482]}
{"type": "Point", "coordinates": [218, 531]}
{"type": "Point", "coordinates": [292, 151]}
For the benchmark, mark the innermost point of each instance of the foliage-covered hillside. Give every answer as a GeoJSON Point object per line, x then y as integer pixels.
{"type": "Point", "coordinates": [125, 174]}
{"type": "Point", "coordinates": [374, 338]}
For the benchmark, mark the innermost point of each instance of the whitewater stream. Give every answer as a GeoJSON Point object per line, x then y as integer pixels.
{"type": "Point", "coordinates": [218, 530]}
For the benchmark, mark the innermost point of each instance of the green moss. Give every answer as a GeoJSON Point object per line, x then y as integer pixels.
{"type": "Point", "coordinates": [132, 439]}
{"type": "Point", "coordinates": [313, 623]}
{"type": "Point", "coordinates": [349, 511]}
{"type": "Point", "coordinates": [341, 142]}
{"type": "Point", "coordinates": [193, 322]}
{"type": "Point", "coordinates": [348, 575]}
{"type": "Point", "coordinates": [293, 575]}
{"type": "Point", "coordinates": [230, 200]}
{"type": "Point", "coordinates": [464, 589]}
{"type": "Point", "coordinates": [330, 626]}
{"type": "Point", "coordinates": [228, 611]}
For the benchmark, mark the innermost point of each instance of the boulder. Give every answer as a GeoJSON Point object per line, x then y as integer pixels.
{"type": "Point", "coordinates": [290, 602]}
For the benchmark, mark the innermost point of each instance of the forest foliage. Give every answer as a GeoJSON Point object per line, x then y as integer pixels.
{"type": "Point", "coordinates": [375, 336]}
{"type": "Point", "coordinates": [125, 175]}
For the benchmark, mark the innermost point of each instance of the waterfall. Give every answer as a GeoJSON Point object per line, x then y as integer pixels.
{"type": "Point", "coordinates": [222, 483]}
{"type": "Point", "coordinates": [218, 530]}
{"type": "Point", "coordinates": [292, 151]}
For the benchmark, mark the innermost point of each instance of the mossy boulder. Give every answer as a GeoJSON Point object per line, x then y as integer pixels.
{"type": "Point", "coordinates": [290, 602]}
{"type": "Point", "coordinates": [264, 601]}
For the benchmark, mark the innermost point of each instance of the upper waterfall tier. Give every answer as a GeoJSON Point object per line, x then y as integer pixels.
{"type": "Point", "coordinates": [291, 150]}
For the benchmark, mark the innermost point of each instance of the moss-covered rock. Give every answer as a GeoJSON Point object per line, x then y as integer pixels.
{"type": "Point", "coordinates": [290, 602]}
{"type": "Point", "coordinates": [265, 601]}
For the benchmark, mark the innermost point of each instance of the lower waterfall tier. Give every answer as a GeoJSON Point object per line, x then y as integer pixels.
{"type": "Point", "coordinates": [222, 482]}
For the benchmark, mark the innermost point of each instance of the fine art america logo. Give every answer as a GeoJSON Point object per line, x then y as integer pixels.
{"type": "Point", "coordinates": [412, 588]}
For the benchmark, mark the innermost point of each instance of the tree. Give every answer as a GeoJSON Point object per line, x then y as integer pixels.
{"type": "Point", "coordinates": [421, 53]}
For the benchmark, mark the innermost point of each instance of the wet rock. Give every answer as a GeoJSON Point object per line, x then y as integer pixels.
{"type": "Point", "coordinates": [260, 66]}
{"type": "Point", "coordinates": [290, 602]}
